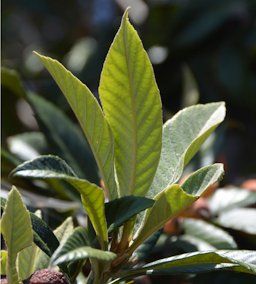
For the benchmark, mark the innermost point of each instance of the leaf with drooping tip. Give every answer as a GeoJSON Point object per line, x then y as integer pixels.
{"type": "Point", "coordinates": [92, 196]}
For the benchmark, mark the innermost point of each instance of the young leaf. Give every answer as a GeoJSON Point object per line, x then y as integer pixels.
{"type": "Point", "coordinates": [127, 207]}
{"type": "Point", "coordinates": [132, 105]}
{"type": "Point", "coordinates": [92, 196]}
{"type": "Point", "coordinates": [17, 231]}
{"type": "Point", "coordinates": [65, 138]}
{"type": "Point", "coordinates": [90, 117]}
{"type": "Point", "coordinates": [209, 233]}
{"type": "Point", "coordinates": [167, 203]}
{"type": "Point", "coordinates": [182, 137]}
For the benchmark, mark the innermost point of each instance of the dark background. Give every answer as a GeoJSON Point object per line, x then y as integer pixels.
{"type": "Point", "coordinates": [214, 40]}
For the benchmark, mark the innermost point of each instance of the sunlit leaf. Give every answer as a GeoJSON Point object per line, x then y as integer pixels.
{"type": "Point", "coordinates": [182, 137]}
{"type": "Point", "coordinates": [3, 261]}
{"type": "Point", "coordinates": [132, 105]}
{"type": "Point", "coordinates": [90, 117]}
{"type": "Point", "coordinates": [17, 231]}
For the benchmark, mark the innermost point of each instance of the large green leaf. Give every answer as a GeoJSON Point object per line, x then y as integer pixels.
{"type": "Point", "coordinates": [182, 137]}
{"type": "Point", "coordinates": [92, 196]}
{"type": "Point", "coordinates": [90, 117]}
{"type": "Point", "coordinates": [65, 137]}
{"type": "Point", "coordinates": [208, 233]}
{"type": "Point", "coordinates": [17, 231]}
{"type": "Point", "coordinates": [167, 203]}
{"type": "Point", "coordinates": [120, 210]}
{"type": "Point", "coordinates": [196, 262]}
{"type": "Point", "coordinates": [132, 105]}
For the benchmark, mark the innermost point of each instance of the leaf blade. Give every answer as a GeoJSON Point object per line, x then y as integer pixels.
{"type": "Point", "coordinates": [90, 117]}
{"type": "Point", "coordinates": [194, 124]}
{"type": "Point", "coordinates": [132, 105]}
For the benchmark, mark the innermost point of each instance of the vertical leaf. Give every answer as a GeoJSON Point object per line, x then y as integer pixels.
{"type": "Point", "coordinates": [17, 231]}
{"type": "Point", "coordinates": [90, 117]}
{"type": "Point", "coordinates": [132, 105]}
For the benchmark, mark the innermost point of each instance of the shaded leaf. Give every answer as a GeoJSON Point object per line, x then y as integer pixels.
{"type": "Point", "coordinates": [64, 230]}
{"type": "Point", "coordinates": [196, 262]}
{"type": "Point", "coordinates": [225, 199]}
{"type": "Point", "coordinates": [84, 253]}
{"type": "Point", "coordinates": [17, 231]}
{"type": "Point", "coordinates": [90, 117]}
{"type": "Point", "coordinates": [132, 105]}
{"type": "Point", "coordinates": [201, 179]}
{"type": "Point", "coordinates": [65, 137]}
{"type": "Point", "coordinates": [182, 137]}
{"type": "Point", "coordinates": [92, 196]}
{"type": "Point", "coordinates": [127, 207]}
{"type": "Point", "coordinates": [11, 80]}
{"type": "Point", "coordinates": [208, 233]}
{"type": "Point", "coordinates": [242, 219]}
{"type": "Point", "coordinates": [78, 238]}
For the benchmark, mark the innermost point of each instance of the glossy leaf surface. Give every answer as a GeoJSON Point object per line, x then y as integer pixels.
{"type": "Point", "coordinates": [132, 105]}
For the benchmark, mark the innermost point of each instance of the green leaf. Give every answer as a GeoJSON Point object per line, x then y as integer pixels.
{"type": "Point", "coordinates": [65, 138]}
{"type": "Point", "coordinates": [127, 207]}
{"type": "Point", "coordinates": [84, 253]}
{"type": "Point", "coordinates": [92, 196]}
{"type": "Point", "coordinates": [182, 137]}
{"type": "Point", "coordinates": [208, 233]}
{"type": "Point", "coordinates": [64, 230]}
{"type": "Point", "coordinates": [27, 261]}
{"type": "Point", "coordinates": [78, 238]}
{"type": "Point", "coordinates": [242, 219]}
{"type": "Point", "coordinates": [3, 261]}
{"type": "Point", "coordinates": [225, 199]}
{"type": "Point", "coordinates": [17, 231]}
{"type": "Point", "coordinates": [201, 179]}
{"type": "Point", "coordinates": [43, 235]}
{"type": "Point", "coordinates": [90, 117]}
{"type": "Point", "coordinates": [132, 105]}
{"type": "Point", "coordinates": [167, 203]}
{"type": "Point", "coordinates": [11, 80]}
{"type": "Point", "coordinates": [196, 262]}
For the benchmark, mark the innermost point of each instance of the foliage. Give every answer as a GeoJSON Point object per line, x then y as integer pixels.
{"type": "Point", "coordinates": [133, 151]}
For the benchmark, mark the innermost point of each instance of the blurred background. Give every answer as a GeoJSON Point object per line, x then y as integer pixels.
{"type": "Point", "coordinates": [202, 51]}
